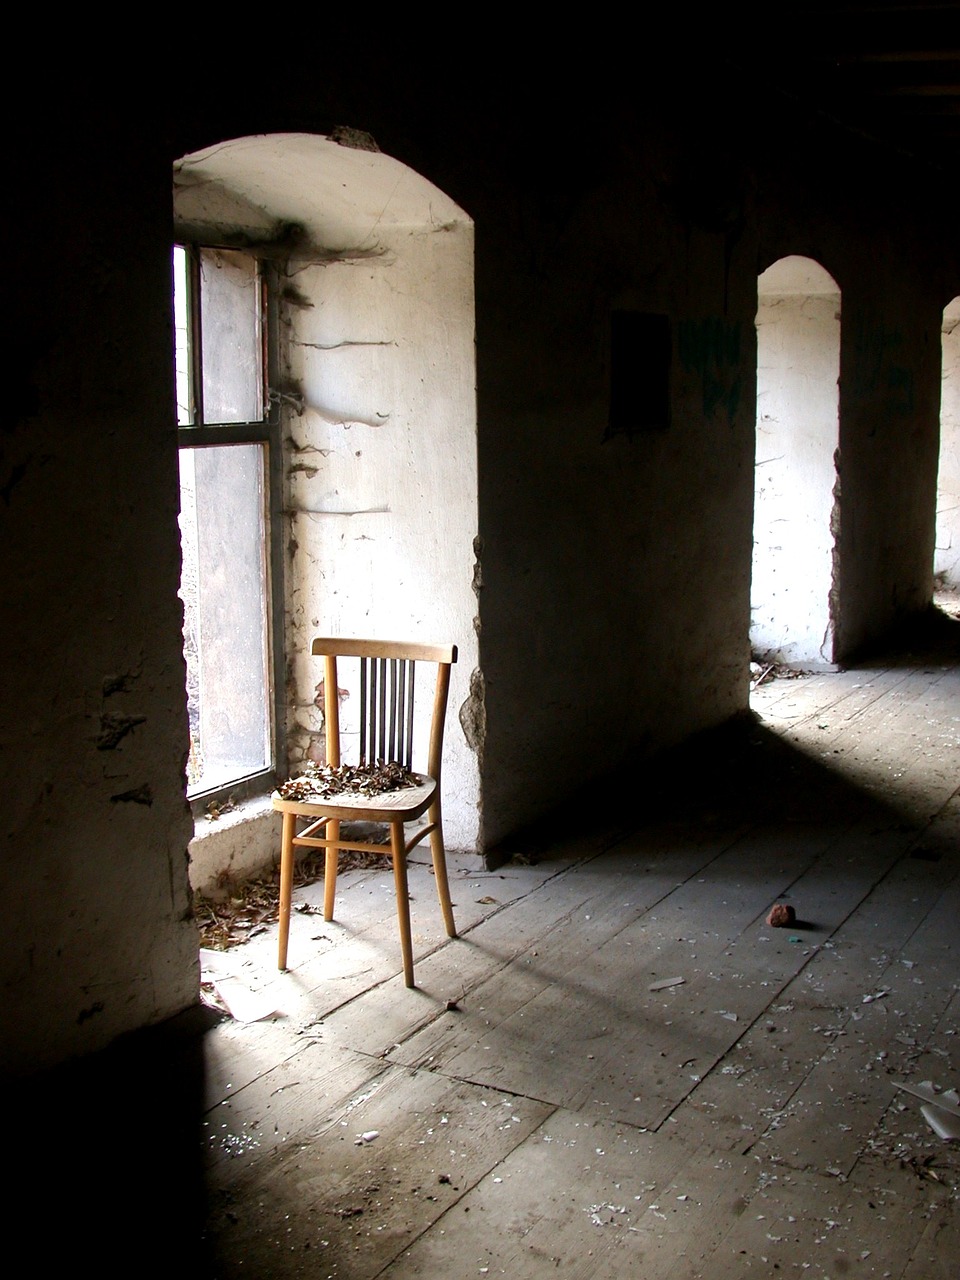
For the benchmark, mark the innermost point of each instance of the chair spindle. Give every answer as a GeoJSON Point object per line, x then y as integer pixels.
{"type": "Point", "coordinates": [386, 714]}
{"type": "Point", "coordinates": [408, 757]}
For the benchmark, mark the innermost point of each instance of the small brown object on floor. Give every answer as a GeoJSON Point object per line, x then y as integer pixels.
{"type": "Point", "coordinates": [781, 915]}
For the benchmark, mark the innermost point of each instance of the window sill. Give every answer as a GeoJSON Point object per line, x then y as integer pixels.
{"type": "Point", "coordinates": [240, 844]}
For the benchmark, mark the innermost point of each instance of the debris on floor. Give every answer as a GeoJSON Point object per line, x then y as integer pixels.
{"type": "Point", "coordinates": [246, 909]}
{"type": "Point", "coordinates": [875, 995]}
{"type": "Point", "coordinates": [941, 1110]}
{"type": "Point", "coordinates": [761, 672]}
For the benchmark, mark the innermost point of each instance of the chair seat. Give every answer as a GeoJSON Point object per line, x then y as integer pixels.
{"type": "Point", "coordinates": [403, 805]}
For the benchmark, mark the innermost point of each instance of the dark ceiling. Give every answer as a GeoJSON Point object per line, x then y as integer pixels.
{"type": "Point", "coordinates": [886, 70]}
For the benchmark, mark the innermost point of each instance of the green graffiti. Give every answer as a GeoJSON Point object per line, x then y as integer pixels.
{"type": "Point", "coordinates": [710, 349]}
{"type": "Point", "coordinates": [900, 382]}
{"type": "Point", "coordinates": [878, 367]}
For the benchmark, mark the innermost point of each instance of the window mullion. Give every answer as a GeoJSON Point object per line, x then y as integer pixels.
{"type": "Point", "coordinates": [196, 335]}
{"type": "Point", "coordinates": [225, 433]}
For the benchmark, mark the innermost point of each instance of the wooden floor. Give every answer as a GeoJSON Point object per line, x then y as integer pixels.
{"type": "Point", "coordinates": [618, 1069]}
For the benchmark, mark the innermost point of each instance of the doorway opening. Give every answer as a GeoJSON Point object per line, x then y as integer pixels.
{"type": "Point", "coordinates": [946, 560]}
{"type": "Point", "coordinates": [793, 595]}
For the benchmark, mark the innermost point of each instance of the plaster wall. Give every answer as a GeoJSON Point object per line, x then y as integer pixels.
{"type": "Point", "coordinates": [92, 738]}
{"type": "Point", "coordinates": [382, 478]}
{"type": "Point", "coordinates": [946, 564]}
{"type": "Point", "coordinates": [889, 445]}
{"type": "Point", "coordinates": [613, 623]}
{"type": "Point", "coordinates": [798, 368]}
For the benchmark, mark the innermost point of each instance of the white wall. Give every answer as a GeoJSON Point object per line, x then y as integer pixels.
{"type": "Point", "coordinates": [798, 366]}
{"type": "Point", "coordinates": [946, 561]}
{"type": "Point", "coordinates": [382, 475]}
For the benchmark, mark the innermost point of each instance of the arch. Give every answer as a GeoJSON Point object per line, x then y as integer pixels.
{"type": "Point", "coordinates": [378, 403]}
{"type": "Point", "coordinates": [796, 497]}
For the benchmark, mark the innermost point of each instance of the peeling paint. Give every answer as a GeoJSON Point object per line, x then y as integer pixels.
{"type": "Point", "coordinates": [362, 511]}
{"type": "Point", "coordinates": [317, 747]}
{"type": "Point", "coordinates": [319, 694]}
{"type": "Point", "coordinates": [337, 420]}
{"type": "Point", "coordinates": [121, 683]}
{"type": "Point", "coordinates": [292, 396]}
{"type": "Point", "coordinates": [292, 297]}
{"type": "Point", "coordinates": [347, 342]}
{"type": "Point", "coordinates": [91, 1011]}
{"type": "Point", "coordinates": [136, 795]}
{"type": "Point", "coordinates": [346, 135]}
{"type": "Point", "coordinates": [113, 729]}
{"type": "Point", "coordinates": [294, 448]}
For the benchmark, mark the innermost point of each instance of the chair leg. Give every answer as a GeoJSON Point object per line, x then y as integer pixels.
{"type": "Point", "coordinates": [286, 884]}
{"type": "Point", "coordinates": [332, 832]}
{"type": "Point", "coordinates": [398, 850]}
{"type": "Point", "coordinates": [440, 872]}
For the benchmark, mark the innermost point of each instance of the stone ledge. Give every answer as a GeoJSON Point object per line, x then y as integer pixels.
{"type": "Point", "coordinates": [242, 843]}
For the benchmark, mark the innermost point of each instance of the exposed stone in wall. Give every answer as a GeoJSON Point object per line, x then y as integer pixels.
{"type": "Point", "coordinates": [473, 716]}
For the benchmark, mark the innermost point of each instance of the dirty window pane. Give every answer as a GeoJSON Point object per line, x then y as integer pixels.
{"type": "Point", "coordinates": [230, 319]}
{"type": "Point", "coordinates": [224, 593]}
{"type": "Point", "coordinates": [181, 324]}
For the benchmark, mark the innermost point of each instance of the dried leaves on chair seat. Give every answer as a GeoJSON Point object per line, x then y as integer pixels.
{"type": "Point", "coordinates": [320, 781]}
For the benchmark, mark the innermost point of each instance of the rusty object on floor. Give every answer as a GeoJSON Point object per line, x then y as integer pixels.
{"type": "Point", "coordinates": [781, 915]}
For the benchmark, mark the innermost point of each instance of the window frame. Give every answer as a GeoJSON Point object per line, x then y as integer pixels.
{"type": "Point", "coordinates": [266, 432]}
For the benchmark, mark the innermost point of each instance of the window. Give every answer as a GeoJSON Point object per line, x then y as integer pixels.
{"type": "Point", "coordinates": [229, 517]}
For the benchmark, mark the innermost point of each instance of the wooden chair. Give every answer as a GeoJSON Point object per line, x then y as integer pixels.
{"type": "Point", "coordinates": [387, 723]}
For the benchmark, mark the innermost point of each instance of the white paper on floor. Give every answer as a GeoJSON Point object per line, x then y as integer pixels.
{"type": "Point", "coordinates": [244, 1003]}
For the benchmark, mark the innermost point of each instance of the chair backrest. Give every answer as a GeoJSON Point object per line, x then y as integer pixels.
{"type": "Point", "coordinates": [386, 698]}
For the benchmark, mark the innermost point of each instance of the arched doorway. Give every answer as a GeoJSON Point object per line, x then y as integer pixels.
{"type": "Point", "coordinates": [796, 499]}
{"type": "Point", "coordinates": [946, 561]}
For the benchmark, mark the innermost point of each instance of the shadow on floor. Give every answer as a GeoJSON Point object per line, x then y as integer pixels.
{"type": "Point", "coordinates": [107, 1157]}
